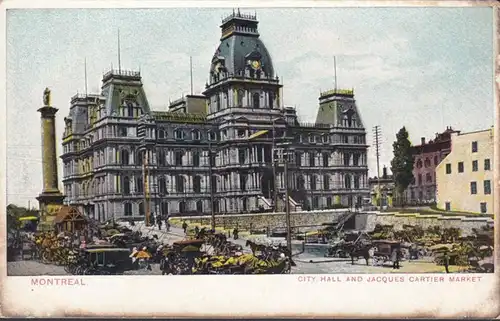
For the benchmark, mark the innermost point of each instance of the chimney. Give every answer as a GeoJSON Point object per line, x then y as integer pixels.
{"type": "Point", "coordinates": [422, 139]}
{"type": "Point", "coordinates": [384, 171]}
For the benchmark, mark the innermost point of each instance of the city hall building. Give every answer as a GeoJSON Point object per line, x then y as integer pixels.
{"type": "Point", "coordinates": [220, 151]}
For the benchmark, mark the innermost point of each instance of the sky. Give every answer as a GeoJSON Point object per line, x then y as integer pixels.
{"type": "Point", "coordinates": [423, 68]}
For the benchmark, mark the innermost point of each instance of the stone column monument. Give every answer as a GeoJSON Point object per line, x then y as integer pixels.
{"type": "Point", "coordinates": [50, 199]}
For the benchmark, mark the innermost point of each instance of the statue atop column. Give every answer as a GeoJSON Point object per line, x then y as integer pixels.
{"type": "Point", "coordinates": [46, 97]}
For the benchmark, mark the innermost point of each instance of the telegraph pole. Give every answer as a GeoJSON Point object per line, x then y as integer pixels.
{"type": "Point", "coordinates": [376, 136]}
{"type": "Point", "coordinates": [286, 151]}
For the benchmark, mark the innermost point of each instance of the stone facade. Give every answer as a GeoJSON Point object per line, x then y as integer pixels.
{"type": "Point", "coordinates": [122, 159]}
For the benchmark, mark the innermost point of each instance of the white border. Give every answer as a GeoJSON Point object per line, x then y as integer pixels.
{"type": "Point", "coordinates": [251, 296]}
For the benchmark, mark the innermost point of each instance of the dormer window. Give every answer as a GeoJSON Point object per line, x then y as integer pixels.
{"type": "Point", "coordinates": [196, 135]}
{"type": "Point", "coordinates": [179, 134]}
{"type": "Point", "coordinates": [130, 109]}
{"type": "Point", "coordinates": [211, 136]}
{"type": "Point", "coordinates": [325, 138]}
{"type": "Point", "coordinates": [311, 138]}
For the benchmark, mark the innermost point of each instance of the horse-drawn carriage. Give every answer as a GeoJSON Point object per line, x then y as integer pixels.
{"type": "Point", "coordinates": [100, 261]}
{"type": "Point", "coordinates": [384, 249]}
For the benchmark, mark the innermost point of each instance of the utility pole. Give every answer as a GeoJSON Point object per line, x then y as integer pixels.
{"type": "Point", "coordinates": [191, 72]}
{"type": "Point", "coordinates": [145, 174]}
{"type": "Point", "coordinates": [275, 193]}
{"type": "Point", "coordinates": [376, 136]}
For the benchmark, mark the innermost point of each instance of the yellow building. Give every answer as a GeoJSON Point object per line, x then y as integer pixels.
{"type": "Point", "coordinates": [464, 178]}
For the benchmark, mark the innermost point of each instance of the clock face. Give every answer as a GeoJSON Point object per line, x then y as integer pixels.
{"type": "Point", "coordinates": [255, 64]}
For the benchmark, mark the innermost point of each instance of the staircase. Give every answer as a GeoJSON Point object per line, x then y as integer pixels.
{"type": "Point", "coordinates": [264, 202]}
{"type": "Point", "coordinates": [294, 206]}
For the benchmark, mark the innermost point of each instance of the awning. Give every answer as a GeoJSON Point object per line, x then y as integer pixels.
{"type": "Point", "coordinates": [28, 218]}
{"type": "Point", "coordinates": [259, 133]}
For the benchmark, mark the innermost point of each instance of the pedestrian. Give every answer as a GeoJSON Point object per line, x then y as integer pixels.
{"type": "Point", "coordinates": [152, 220]}
{"type": "Point", "coordinates": [446, 259]}
{"type": "Point", "coordinates": [235, 233]}
{"type": "Point", "coordinates": [184, 226]}
{"type": "Point", "coordinates": [159, 224]}
{"type": "Point", "coordinates": [394, 259]}
{"type": "Point", "coordinates": [196, 231]}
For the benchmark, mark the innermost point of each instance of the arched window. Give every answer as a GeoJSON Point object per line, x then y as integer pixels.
{"type": "Point", "coordinates": [127, 209]}
{"type": "Point", "coordinates": [197, 184]}
{"type": "Point", "coordinates": [180, 184]}
{"type": "Point", "coordinates": [124, 157]}
{"type": "Point", "coordinates": [428, 178]}
{"type": "Point", "coordinates": [178, 157]}
{"type": "Point", "coordinates": [196, 135]}
{"type": "Point", "coordinates": [256, 100]}
{"type": "Point", "coordinates": [130, 108]}
{"type": "Point", "coordinates": [164, 208]}
{"type": "Point", "coordinates": [427, 162]}
{"type": "Point", "coordinates": [126, 185]}
{"type": "Point", "coordinates": [196, 159]}
{"type": "Point", "coordinates": [419, 163]}
{"type": "Point", "coordinates": [141, 209]}
{"type": "Point", "coordinates": [271, 100]}
{"type": "Point", "coordinates": [313, 182]}
{"type": "Point", "coordinates": [179, 134]}
{"type": "Point", "coordinates": [243, 182]}
{"type": "Point", "coordinates": [356, 181]}
{"type": "Point", "coordinates": [326, 182]}
{"type": "Point", "coordinates": [300, 182]}
{"type": "Point", "coordinates": [182, 207]}
{"type": "Point", "coordinates": [139, 186]}
{"type": "Point", "coordinates": [241, 94]}
{"type": "Point", "coordinates": [162, 185]}
{"type": "Point", "coordinates": [326, 160]}
{"type": "Point", "coordinates": [199, 206]}
{"type": "Point", "coordinates": [241, 156]}
{"type": "Point", "coordinates": [347, 181]}
{"type": "Point", "coordinates": [244, 204]}
{"type": "Point", "coordinates": [160, 155]}
{"type": "Point", "coordinates": [217, 101]}
{"type": "Point", "coordinates": [312, 159]}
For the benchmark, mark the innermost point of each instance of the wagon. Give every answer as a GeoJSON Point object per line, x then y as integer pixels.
{"type": "Point", "coordinates": [384, 249]}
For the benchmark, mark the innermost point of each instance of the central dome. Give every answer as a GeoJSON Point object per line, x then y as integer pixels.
{"type": "Point", "coordinates": [239, 44]}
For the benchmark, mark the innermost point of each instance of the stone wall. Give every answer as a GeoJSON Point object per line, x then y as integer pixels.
{"type": "Point", "coordinates": [367, 221]}
{"type": "Point", "coordinates": [271, 220]}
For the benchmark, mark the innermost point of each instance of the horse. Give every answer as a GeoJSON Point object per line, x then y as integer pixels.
{"type": "Point", "coordinates": [356, 251]}
{"type": "Point", "coordinates": [256, 247]}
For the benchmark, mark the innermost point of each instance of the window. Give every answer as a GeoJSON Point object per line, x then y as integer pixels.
{"type": "Point", "coordinates": [313, 182]}
{"type": "Point", "coordinates": [164, 208]}
{"type": "Point", "coordinates": [182, 207]}
{"type": "Point", "coordinates": [211, 135]}
{"type": "Point", "coordinates": [122, 131]}
{"type": "Point", "coordinates": [162, 185]}
{"type": "Point", "coordinates": [427, 162]}
{"type": "Point", "coordinates": [196, 135]}
{"type": "Point", "coordinates": [196, 159]}
{"type": "Point", "coordinates": [448, 168]}
{"type": "Point", "coordinates": [473, 188]}
{"type": "Point", "coordinates": [161, 134]}
{"type": "Point", "coordinates": [484, 208]}
{"type": "Point", "coordinates": [474, 147]}
{"type": "Point", "coordinates": [241, 94]}
{"type": "Point", "coordinates": [419, 179]}
{"type": "Point", "coordinates": [179, 184]}
{"type": "Point", "coordinates": [126, 185]}
{"type": "Point", "coordinates": [356, 181]}
{"type": "Point", "coordinates": [325, 160]}
{"type": "Point", "coordinates": [199, 206]}
{"type": "Point", "coordinates": [130, 109]}
{"type": "Point", "coordinates": [474, 166]}
{"type": "Point", "coordinates": [141, 209]}
{"type": "Point", "coordinates": [124, 157]}
{"type": "Point", "coordinates": [328, 202]}
{"type": "Point", "coordinates": [312, 159]}
{"type": "Point", "coordinates": [127, 209]}
{"type": "Point", "coordinates": [346, 159]}
{"type": "Point", "coordinates": [178, 158]}
{"type": "Point", "coordinates": [311, 138]}
{"type": "Point", "coordinates": [197, 184]}
{"type": "Point", "coordinates": [428, 178]}
{"type": "Point", "coordinates": [160, 154]}
{"type": "Point", "coordinates": [419, 163]}
{"type": "Point", "coordinates": [241, 156]}
{"type": "Point", "coordinates": [460, 167]}
{"type": "Point", "coordinates": [243, 182]}
{"type": "Point", "coordinates": [355, 159]}
{"type": "Point", "coordinates": [487, 187]}
{"type": "Point", "coordinates": [347, 181]}
{"type": "Point", "coordinates": [213, 184]}
{"type": "Point", "coordinates": [256, 100]}
{"type": "Point", "coordinates": [325, 138]}
{"type": "Point", "coordinates": [326, 182]}
{"type": "Point", "coordinates": [447, 206]}
{"type": "Point", "coordinates": [271, 100]}
{"type": "Point", "coordinates": [139, 185]}
{"type": "Point", "coordinates": [300, 183]}
{"type": "Point", "coordinates": [241, 133]}
{"type": "Point", "coordinates": [487, 164]}
{"type": "Point", "coordinates": [436, 161]}
{"type": "Point", "coordinates": [179, 134]}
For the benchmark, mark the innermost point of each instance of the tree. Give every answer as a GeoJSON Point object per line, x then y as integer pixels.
{"type": "Point", "coordinates": [402, 163]}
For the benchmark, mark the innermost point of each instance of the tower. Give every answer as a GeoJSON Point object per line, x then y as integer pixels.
{"type": "Point", "coordinates": [51, 198]}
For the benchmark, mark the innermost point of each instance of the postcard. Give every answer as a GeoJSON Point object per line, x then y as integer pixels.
{"type": "Point", "coordinates": [314, 159]}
